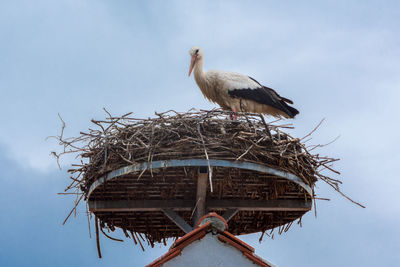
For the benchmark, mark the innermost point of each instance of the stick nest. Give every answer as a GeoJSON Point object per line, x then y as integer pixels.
{"type": "Point", "coordinates": [120, 141]}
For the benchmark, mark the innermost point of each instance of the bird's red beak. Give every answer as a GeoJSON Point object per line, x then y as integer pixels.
{"type": "Point", "coordinates": [192, 62]}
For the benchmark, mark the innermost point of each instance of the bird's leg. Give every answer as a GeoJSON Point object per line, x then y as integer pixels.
{"type": "Point", "coordinates": [235, 114]}
{"type": "Point", "coordinates": [233, 117]}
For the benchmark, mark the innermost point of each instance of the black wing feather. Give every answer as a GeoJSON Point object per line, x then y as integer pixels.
{"type": "Point", "coordinates": [266, 96]}
{"type": "Point", "coordinates": [287, 100]}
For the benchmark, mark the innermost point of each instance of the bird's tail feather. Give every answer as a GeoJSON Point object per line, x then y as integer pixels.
{"type": "Point", "coordinates": [287, 100]}
{"type": "Point", "coordinates": [292, 111]}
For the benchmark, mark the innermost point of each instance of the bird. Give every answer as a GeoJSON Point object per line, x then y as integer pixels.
{"type": "Point", "coordinates": [237, 92]}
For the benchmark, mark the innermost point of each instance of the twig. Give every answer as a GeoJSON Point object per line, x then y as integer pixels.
{"type": "Point", "coordinates": [310, 133]}
{"type": "Point", "coordinates": [208, 160]}
{"type": "Point", "coordinates": [97, 236]}
{"type": "Point", "coordinates": [194, 209]}
{"type": "Point", "coordinates": [112, 238]}
{"type": "Point", "coordinates": [250, 147]}
{"type": "Point", "coordinates": [73, 209]}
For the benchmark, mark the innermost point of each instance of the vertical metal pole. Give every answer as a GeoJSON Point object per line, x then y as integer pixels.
{"type": "Point", "coordinates": [201, 194]}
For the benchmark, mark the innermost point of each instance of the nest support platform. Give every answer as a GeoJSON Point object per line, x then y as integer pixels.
{"type": "Point", "coordinates": [164, 199]}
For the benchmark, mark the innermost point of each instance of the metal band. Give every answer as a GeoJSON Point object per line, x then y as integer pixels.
{"type": "Point", "coordinates": [197, 163]}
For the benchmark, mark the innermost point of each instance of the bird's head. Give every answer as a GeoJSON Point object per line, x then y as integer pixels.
{"type": "Point", "coordinates": [196, 54]}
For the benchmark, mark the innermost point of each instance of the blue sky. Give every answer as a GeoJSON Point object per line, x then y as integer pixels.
{"type": "Point", "coordinates": [337, 60]}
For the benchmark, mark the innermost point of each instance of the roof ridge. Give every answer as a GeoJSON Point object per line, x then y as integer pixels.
{"type": "Point", "coordinates": [205, 227]}
{"type": "Point", "coordinates": [237, 241]}
{"type": "Point", "coordinates": [201, 231]}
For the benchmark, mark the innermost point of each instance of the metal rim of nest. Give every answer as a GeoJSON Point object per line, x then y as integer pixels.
{"type": "Point", "coordinates": [200, 163]}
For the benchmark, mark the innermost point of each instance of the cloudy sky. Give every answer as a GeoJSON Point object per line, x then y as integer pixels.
{"type": "Point", "coordinates": [337, 60]}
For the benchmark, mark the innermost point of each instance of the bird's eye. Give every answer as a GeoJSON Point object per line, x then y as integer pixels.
{"type": "Point", "coordinates": [197, 51]}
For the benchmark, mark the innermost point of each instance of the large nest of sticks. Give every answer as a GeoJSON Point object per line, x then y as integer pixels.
{"type": "Point", "coordinates": [120, 141]}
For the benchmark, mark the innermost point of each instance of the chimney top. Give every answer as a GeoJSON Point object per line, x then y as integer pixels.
{"type": "Point", "coordinates": [217, 222]}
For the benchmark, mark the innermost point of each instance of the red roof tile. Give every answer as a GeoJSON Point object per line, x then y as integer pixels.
{"type": "Point", "coordinates": [233, 243]}
{"type": "Point", "coordinates": [182, 242]}
{"type": "Point", "coordinates": [164, 258]}
{"type": "Point", "coordinates": [256, 259]}
{"type": "Point", "coordinates": [237, 240]}
{"type": "Point", "coordinates": [247, 250]}
{"type": "Point", "coordinates": [190, 235]}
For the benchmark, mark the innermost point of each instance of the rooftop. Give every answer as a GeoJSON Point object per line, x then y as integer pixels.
{"type": "Point", "coordinates": [216, 227]}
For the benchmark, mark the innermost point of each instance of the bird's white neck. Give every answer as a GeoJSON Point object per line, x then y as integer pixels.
{"type": "Point", "coordinates": [199, 74]}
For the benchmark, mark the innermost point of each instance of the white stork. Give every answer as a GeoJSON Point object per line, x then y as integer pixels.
{"type": "Point", "coordinates": [237, 92]}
